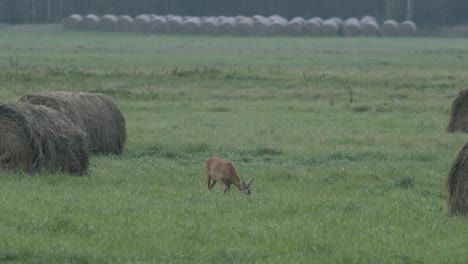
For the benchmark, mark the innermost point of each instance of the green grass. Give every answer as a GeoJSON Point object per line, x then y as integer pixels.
{"type": "Point", "coordinates": [345, 138]}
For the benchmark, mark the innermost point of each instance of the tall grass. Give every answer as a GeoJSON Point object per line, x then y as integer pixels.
{"type": "Point", "coordinates": [345, 138]}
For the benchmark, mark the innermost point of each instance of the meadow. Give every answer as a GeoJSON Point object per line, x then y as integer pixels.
{"type": "Point", "coordinates": [345, 138]}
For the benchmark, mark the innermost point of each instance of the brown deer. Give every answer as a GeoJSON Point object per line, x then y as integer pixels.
{"type": "Point", "coordinates": [217, 169]}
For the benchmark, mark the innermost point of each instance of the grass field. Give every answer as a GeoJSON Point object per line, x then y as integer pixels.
{"type": "Point", "coordinates": [345, 139]}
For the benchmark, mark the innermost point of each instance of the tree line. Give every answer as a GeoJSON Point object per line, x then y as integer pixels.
{"type": "Point", "coordinates": [423, 12]}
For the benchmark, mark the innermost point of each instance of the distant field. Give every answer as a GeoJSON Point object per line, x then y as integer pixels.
{"type": "Point", "coordinates": [345, 139]}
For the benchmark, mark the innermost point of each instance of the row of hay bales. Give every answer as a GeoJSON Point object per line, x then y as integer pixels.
{"type": "Point", "coordinates": [57, 131]}
{"type": "Point", "coordinates": [242, 25]}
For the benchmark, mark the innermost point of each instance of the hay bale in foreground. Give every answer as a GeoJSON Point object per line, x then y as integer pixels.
{"type": "Point", "coordinates": [370, 28]}
{"type": "Point", "coordinates": [260, 26]}
{"type": "Point", "coordinates": [295, 26]}
{"type": "Point", "coordinates": [142, 23]}
{"type": "Point", "coordinates": [209, 26]}
{"type": "Point", "coordinates": [158, 24]}
{"type": "Point", "coordinates": [330, 27]}
{"type": "Point", "coordinates": [35, 138]}
{"type": "Point", "coordinates": [459, 114]}
{"type": "Point", "coordinates": [96, 114]}
{"type": "Point", "coordinates": [457, 183]}
{"type": "Point", "coordinates": [72, 22]}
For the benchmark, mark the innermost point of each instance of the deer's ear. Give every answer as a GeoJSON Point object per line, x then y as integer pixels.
{"type": "Point", "coordinates": [249, 182]}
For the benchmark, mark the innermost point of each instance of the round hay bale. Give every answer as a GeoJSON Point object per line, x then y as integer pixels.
{"type": "Point", "coordinates": [72, 22]}
{"type": "Point", "coordinates": [174, 24]}
{"type": "Point", "coordinates": [330, 28]}
{"type": "Point", "coordinates": [108, 23]}
{"type": "Point", "coordinates": [244, 26]}
{"type": "Point", "coordinates": [338, 21]}
{"type": "Point", "coordinates": [295, 27]}
{"type": "Point", "coordinates": [191, 26]}
{"type": "Point", "coordinates": [312, 26]}
{"type": "Point", "coordinates": [352, 27]}
{"type": "Point", "coordinates": [142, 23]}
{"type": "Point", "coordinates": [277, 26]}
{"type": "Point", "coordinates": [370, 28]}
{"type": "Point", "coordinates": [273, 18]}
{"type": "Point", "coordinates": [90, 22]}
{"type": "Point", "coordinates": [407, 28]}
{"type": "Point", "coordinates": [35, 138]}
{"type": "Point", "coordinates": [258, 17]}
{"type": "Point", "coordinates": [96, 114]}
{"type": "Point", "coordinates": [457, 183]}
{"type": "Point", "coordinates": [125, 23]}
{"type": "Point", "coordinates": [227, 26]}
{"type": "Point", "coordinates": [389, 28]}
{"type": "Point", "coordinates": [260, 26]}
{"type": "Point", "coordinates": [158, 24]}
{"type": "Point", "coordinates": [366, 19]}
{"type": "Point", "coordinates": [459, 113]}
{"type": "Point", "coordinates": [209, 26]}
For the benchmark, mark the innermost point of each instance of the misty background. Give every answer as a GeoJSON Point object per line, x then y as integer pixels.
{"type": "Point", "coordinates": [429, 13]}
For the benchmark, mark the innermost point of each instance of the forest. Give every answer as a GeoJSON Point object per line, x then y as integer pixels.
{"type": "Point", "coordinates": [424, 12]}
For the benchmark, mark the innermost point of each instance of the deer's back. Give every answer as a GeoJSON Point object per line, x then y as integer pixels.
{"type": "Point", "coordinates": [219, 169]}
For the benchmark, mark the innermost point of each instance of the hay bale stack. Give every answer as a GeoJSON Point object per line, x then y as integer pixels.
{"type": "Point", "coordinates": [96, 114]}
{"type": "Point", "coordinates": [277, 26]}
{"type": "Point", "coordinates": [227, 26]}
{"type": "Point", "coordinates": [330, 27]}
{"type": "Point", "coordinates": [457, 183]}
{"type": "Point", "coordinates": [142, 23]}
{"type": "Point", "coordinates": [174, 24]}
{"type": "Point", "coordinates": [312, 26]}
{"type": "Point", "coordinates": [295, 27]}
{"type": "Point", "coordinates": [90, 22]}
{"type": "Point", "coordinates": [352, 27]}
{"type": "Point", "coordinates": [459, 114]}
{"type": "Point", "coordinates": [191, 26]}
{"type": "Point", "coordinates": [125, 23]}
{"type": "Point", "coordinates": [244, 26]}
{"type": "Point", "coordinates": [407, 28]}
{"type": "Point", "coordinates": [260, 26]}
{"type": "Point", "coordinates": [389, 28]}
{"type": "Point", "coordinates": [108, 23]}
{"type": "Point", "coordinates": [72, 22]}
{"type": "Point", "coordinates": [35, 138]}
{"type": "Point", "coordinates": [209, 26]}
{"type": "Point", "coordinates": [158, 24]}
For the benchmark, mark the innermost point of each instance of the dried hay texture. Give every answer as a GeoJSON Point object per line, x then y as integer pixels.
{"type": "Point", "coordinates": [72, 22]}
{"type": "Point", "coordinates": [90, 22]}
{"type": "Point", "coordinates": [407, 28]}
{"type": "Point", "coordinates": [96, 114]}
{"type": "Point", "coordinates": [108, 23]}
{"type": "Point", "coordinates": [158, 24]}
{"type": "Point", "coordinates": [352, 27]}
{"type": "Point", "coordinates": [457, 183]}
{"type": "Point", "coordinates": [35, 138]}
{"type": "Point", "coordinates": [389, 28]}
{"type": "Point", "coordinates": [459, 115]}
{"type": "Point", "coordinates": [125, 23]}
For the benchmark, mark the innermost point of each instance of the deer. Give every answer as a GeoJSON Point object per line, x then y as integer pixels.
{"type": "Point", "coordinates": [219, 170]}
